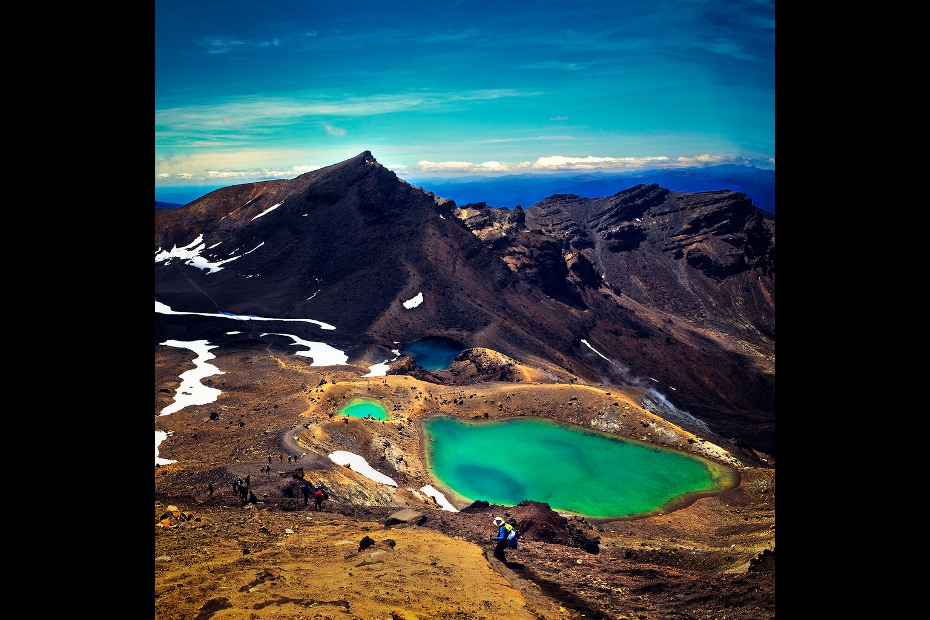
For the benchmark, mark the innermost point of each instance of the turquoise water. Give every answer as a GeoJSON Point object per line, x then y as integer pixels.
{"type": "Point", "coordinates": [433, 352]}
{"type": "Point", "coordinates": [572, 469]}
{"type": "Point", "coordinates": [360, 408]}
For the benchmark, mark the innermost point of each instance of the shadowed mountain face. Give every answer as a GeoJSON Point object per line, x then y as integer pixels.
{"type": "Point", "coordinates": [668, 290]}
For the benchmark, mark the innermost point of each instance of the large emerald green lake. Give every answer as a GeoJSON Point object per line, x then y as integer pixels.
{"type": "Point", "coordinates": [573, 469]}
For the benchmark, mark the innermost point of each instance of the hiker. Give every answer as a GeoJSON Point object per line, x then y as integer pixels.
{"type": "Point", "coordinates": [269, 460]}
{"type": "Point", "coordinates": [210, 489]}
{"type": "Point", "coordinates": [503, 532]}
{"type": "Point", "coordinates": [319, 494]}
{"type": "Point", "coordinates": [248, 482]}
{"type": "Point", "coordinates": [305, 489]}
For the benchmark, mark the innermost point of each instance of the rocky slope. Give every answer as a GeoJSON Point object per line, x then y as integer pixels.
{"type": "Point", "coordinates": [218, 558]}
{"type": "Point", "coordinates": [648, 286]}
{"type": "Point", "coordinates": [648, 314]}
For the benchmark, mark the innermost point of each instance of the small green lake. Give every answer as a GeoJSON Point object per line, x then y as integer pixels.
{"type": "Point", "coordinates": [361, 408]}
{"type": "Point", "coordinates": [573, 469]}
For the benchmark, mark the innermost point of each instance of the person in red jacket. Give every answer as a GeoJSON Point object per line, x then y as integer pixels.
{"type": "Point", "coordinates": [319, 494]}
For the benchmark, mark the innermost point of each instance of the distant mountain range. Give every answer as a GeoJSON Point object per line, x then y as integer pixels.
{"type": "Point", "coordinates": [641, 286]}
{"type": "Point", "coordinates": [528, 189]}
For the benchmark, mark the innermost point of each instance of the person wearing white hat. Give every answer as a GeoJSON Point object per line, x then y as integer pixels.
{"type": "Point", "coordinates": [501, 539]}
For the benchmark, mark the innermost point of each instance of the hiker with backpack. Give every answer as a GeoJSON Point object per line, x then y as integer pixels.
{"type": "Point", "coordinates": [507, 536]}
{"type": "Point", "coordinates": [319, 494]}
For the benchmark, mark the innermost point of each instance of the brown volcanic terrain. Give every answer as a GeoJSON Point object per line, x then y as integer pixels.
{"type": "Point", "coordinates": [676, 290]}
{"type": "Point", "coordinates": [711, 559]}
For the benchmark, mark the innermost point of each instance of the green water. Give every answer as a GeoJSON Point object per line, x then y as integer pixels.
{"type": "Point", "coordinates": [572, 469]}
{"type": "Point", "coordinates": [360, 408]}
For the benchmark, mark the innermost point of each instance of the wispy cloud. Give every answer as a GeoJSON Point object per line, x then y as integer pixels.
{"type": "Point", "coordinates": [520, 139]}
{"type": "Point", "coordinates": [251, 96]}
{"type": "Point", "coordinates": [459, 167]}
{"type": "Point", "coordinates": [542, 165]}
{"type": "Point", "coordinates": [170, 160]}
{"type": "Point", "coordinates": [560, 163]}
{"type": "Point", "coordinates": [258, 112]}
{"type": "Point", "coordinates": [564, 66]}
{"type": "Point", "coordinates": [221, 44]}
{"type": "Point", "coordinates": [244, 175]}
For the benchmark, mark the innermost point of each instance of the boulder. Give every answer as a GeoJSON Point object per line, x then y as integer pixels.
{"type": "Point", "coordinates": [405, 516]}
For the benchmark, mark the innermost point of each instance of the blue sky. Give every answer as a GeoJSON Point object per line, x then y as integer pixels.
{"type": "Point", "coordinates": [251, 91]}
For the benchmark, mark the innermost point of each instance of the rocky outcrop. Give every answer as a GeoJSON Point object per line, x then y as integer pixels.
{"type": "Point", "coordinates": [474, 365]}
{"type": "Point", "coordinates": [405, 515]}
{"type": "Point", "coordinates": [478, 365]}
{"type": "Point", "coordinates": [765, 561]}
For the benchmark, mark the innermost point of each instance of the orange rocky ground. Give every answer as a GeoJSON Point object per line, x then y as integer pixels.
{"type": "Point", "coordinates": [380, 552]}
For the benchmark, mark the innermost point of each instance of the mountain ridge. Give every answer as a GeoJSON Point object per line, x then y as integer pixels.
{"type": "Point", "coordinates": [646, 315]}
{"type": "Point", "coordinates": [526, 189]}
{"type": "Point", "coordinates": [528, 293]}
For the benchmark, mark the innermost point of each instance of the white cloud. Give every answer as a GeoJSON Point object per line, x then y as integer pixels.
{"type": "Point", "coordinates": [259, 112]}
{"type": "Point", "coordinates": [550, 164]}
{"type": "Point", "coordinates": [335, 131]}
{"type": "Point", "coordinates": [565, 163]}
{"type": "Point", "coordinates": [464, 167]}
{"type": "Point", "coordinates": [235, 176]}
{"type": "Point", "coordinates": [561, 162]}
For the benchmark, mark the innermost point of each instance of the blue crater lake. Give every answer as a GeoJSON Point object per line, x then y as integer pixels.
{"type": "Point", "coordinates": [361, 408]}
{"type": "Point", "coordinates": [433, 352]}
{"type": "Point", "coordinates": [574, 470]}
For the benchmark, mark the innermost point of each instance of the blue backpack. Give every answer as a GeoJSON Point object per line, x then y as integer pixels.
{"type": "Point", "coordinates": [513, 537]}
